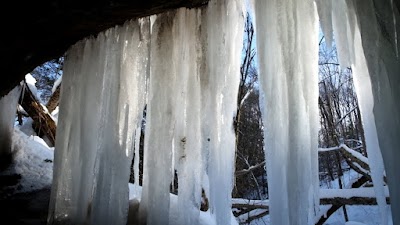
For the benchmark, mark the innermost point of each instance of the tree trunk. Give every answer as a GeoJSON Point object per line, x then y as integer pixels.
{"type": "Point", "coordinates": [43, 123]}
{"type": "Point", "coordinates": [54, 100]}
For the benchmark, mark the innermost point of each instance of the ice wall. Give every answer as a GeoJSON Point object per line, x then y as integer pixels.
{"type": "Point", "coordinates": [102, 99]}
{"type": "Point", "coordinates": [193, 87]}
{"type": "Point", "coordinates": [366, 37]}
{"type": "Point", "coordinates": [191, 60]}
{"type": "Point", "coordinates": [287, 46]}
{"type": "Point", "coordinates": [8, 108]}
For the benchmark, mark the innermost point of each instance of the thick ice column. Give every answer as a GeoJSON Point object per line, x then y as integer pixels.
{"type": "Point", "coordinates": [379, 24]}
{"type": "Point", "coordinates": [224, 44]}
{"type": "Point", "coordinates": [287, 43]}
{"type": "Point", "coordinates": [366, 34]}
{"type": "Point", "coordinates": [157, 166]}
{"type": "Point", "coordinates": [347, 33]}
{"type": "Point", "coordinates": [8, 108]}
{"type": "Point", "coordinates": [102, 97]}
{"type": "Point", "coordinates": [187, 134]}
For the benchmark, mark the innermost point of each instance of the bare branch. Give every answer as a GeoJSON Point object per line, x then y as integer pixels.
{"type": "Point", "coordinates": [250, 169]}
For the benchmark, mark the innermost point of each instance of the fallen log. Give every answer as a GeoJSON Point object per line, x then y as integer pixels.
{"type": "Point", "coordinates": [351, 201]}
{"type": "Point", "coordinates": [334, 207]}
{"type": "Point", "coordinates": [43, 123]}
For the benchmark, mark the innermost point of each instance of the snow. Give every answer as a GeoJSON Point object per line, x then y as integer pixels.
{"type": "Point", "coordinates": [250, 202]}
{"type": "Point", "coordinates": [353, 223]}
{"type": "Point", "coordinates": [364, 214]}
{"type": "Point", "coordinates": [288, 80]}
{"type": "Point", "coordinates": [54, 114]}
{"type": "Point", "coordinates": [349, 150]}
{"type": "Point", "coordinates": [31, 84]}
{"type": "Point", "coordinates": [56, 84]}
{"type": "Point", "coordinates": [33, 160]}
{"type": "Point", "coordinates": [205, 218]}
{"type": "Point", "coordinates": [365, 192]}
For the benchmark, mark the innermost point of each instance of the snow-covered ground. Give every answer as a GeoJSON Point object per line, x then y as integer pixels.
{"type": "Point", "coordinates": [34, 162]}
{"type": "Point", "coordinates": [358, 215]}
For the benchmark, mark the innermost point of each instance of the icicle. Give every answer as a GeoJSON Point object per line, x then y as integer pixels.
{"type": "Point", "coordinates": [325, 17]}
{"type": "Point", "coordinates": [394, 29]}
{"type": "Point", "coordinates": [341, 31]}
{"type": "Point", "coordinates": [102, 97]}
{"type": "Point", "coordinates": [8, 107]}
{"type": "Point", "coordinates": [379, 73]}
{"type": "Point", "coordinates": [225, 37]}
{"type": "Point", "coordinates": [351, 50]}
{"type": "Point", "coordinates": [136, 160]}
{"type": "Point", "coordinates": [362, 83]}
{"type": "Point", "coordinates": [159, 126]}
{"type": "Point", "coordinates": [187, 117]}
{"type": "Point", "coordinates": [288, 59]}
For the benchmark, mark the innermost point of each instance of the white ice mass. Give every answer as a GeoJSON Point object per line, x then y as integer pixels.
{"type": "Point", "coordinates": [186, 69]}
{"type": "Point", "coordinates": [183, 65]}
{"type": "Point", "coordinates": [8, 107]}
{"type": "Point", "coordinates": [288, 59]}
{"type": "Point", "coordinates": [102, 99]}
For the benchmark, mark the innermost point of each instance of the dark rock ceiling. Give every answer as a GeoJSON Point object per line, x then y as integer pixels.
{"type": "Point", "coordinates": [34, 32]}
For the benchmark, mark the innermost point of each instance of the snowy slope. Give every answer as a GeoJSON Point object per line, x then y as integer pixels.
{"type": "Point", "coordinates": [33, 161]}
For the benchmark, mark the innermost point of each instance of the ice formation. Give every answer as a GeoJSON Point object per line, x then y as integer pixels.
{"type": "Point", "coordinates": [190, 117]}
{"type": "Point", "coordinates": [102, 99]}
{"type": "Point", "coordinates": [288, 59]}
{"type": "Point", "coordinates": [184, 65]}
{"type": "Point", "coordinates": [8, 107]}
{"type": "Point", "coordinates": [359, 30]}
{"type": "Point", "coordinates": [363, 34]}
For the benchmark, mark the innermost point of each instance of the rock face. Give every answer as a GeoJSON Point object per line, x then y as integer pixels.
{"type": "Point", "coordinates": [34, 32]}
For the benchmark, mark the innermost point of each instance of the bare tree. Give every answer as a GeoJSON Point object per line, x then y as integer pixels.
{"type": "Point", "coordinates": [250, 173]}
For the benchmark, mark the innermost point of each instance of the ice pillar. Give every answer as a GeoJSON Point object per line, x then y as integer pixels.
{"type": "Point", "coordinates": [287, 43]}
{"type": "Point", "coordinates": [366, 36]}
{"type": "Point", "coordinates": [102, 99]}
{"type": "Point", "coordinates": [379, 24]}
{"type": "Point", "coordinates": [224, 37]}
{"type": "Point", "coordinates": [157, 171]}
{"type": "Point", "coordinates": [8, 108]}
{"type": "Point", "coordinates": [195, 62]}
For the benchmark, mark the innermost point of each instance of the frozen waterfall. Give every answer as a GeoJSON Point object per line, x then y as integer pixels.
{"type": "Point", "coordinates": [183, 65]}
{"type": "Point", "coordinates": [102, 99]}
